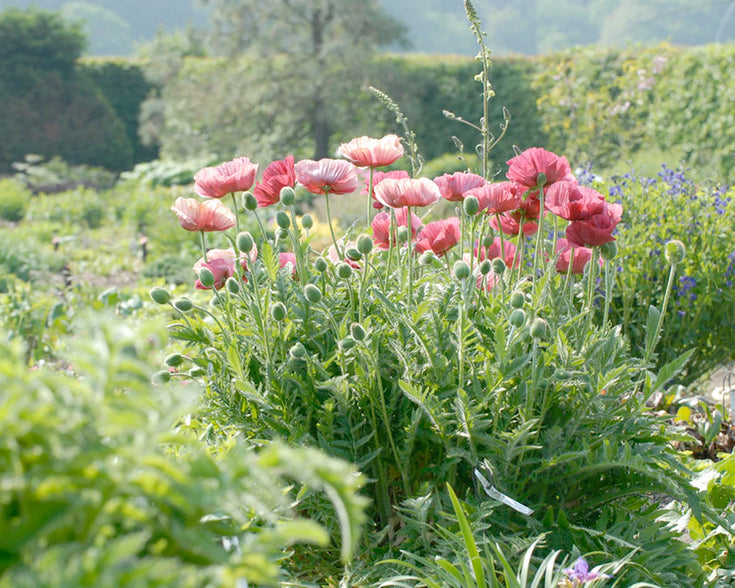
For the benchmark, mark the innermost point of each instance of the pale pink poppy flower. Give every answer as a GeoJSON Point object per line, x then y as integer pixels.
{"type": "Point", "coordinates": [499, 197]}
{"type": "Point", "coordinates": [496, 250]}
{"type": "Point", "coordinates": [287, 260]}
{"type": "Point", "coordinates": [276, 176]}
{"type": "Point", "coordinates": [407, 192]}
{"type": "Point", "coordinates": [368, 152]}
{"type": "Point", "coordinates": [582, 256]}
{"type": "Point", "coordinates": [221, 262]}
{"type": "Point", "coordinates": [381, 226]}
{"type": "Point", "coordinates": [596, 230]}
{"type": "Point", "coordinates": [571, 201]}
{"type": "Point", "coordinates": [378, 177]}
{"type": "Point", "coordinates": [232, 176]}
{"type": "Point", "coordinates": [526, 167]}
{"type": "Point", "coordinates": [454, 186]}
{"type": "Point", "coordinates": [333, 176]}
{"type": "Point", "coordinates": [510, 224]}
{"type": "Point", "coordinates": [439, 236]}
{"type": "Point", "coordinates": [210, 215]}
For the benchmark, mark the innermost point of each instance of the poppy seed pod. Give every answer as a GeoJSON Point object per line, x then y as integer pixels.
{"type": "Point", "coordinates": [675, 251]}
{"type": "Point", "coordinates": [251, 202]}
{"type": "Point", "coordinates": [278, 311]}
{"type": "Point", "coordinates": [344, 270]}
{"type": "Point", "coordinates": [461, 269]}
{"type": "Point", "coordinates": [159, 295]}
{"type": "Point", "coordinates": [471, 205]}
{"type": "Point", "coordinates": [282, 220]}
{"type": "Point", "coordinates": [364, 244]}
{"type": "Point", "coordinates": [206, 277]}
{"type": "Point", "coordinates": [183, 304]}
{"type": "Point", "coordinates": [288, 196]}
{"type": "Point", "coordinates": [312, 293]}
{"type": "Point", "coordinates": [307, 222]}
{"type": "Point", "coordinates": [518, 317]}
{"type": "Point", "coordinates": [245, 242]}
{"type": "Point", "coordinates": [538, 328]}
{"type": "Point", "coordinates": [320, 264]}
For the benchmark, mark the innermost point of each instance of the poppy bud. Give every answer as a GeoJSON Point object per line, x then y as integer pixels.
{"type": "Point", "coordinates": [427, 257]}
{"type": "Point", "coordinates": [206, 277]}
{"type": "Point", "coordinates": [233, 285]}
{"type": "Point", "coordinates": [320, 264]}
{"type": "Point", "coordinates": [297, 351]}
{"type": "Point", "coordinates": [487, 241]}
{"type": "Point", "coordinates": [161, 377]}
{"type": "Point", "coordinates": [541, 179]}
{"type": "Point", "coordinates": [538, 328]}
{"type": "Point", "coordinates": [353, 254]}
{"type": "Point", "coordinates": [471, 205]}
{"type": "Point", "coordinates": [364, 244]}
{"type": "Point", "coordinates": [517, 317]}
{"type": "Point", "coordinates": [278, 311]}
{"type": "Point", "coordinates": [312, 293]}
{"type": "Point", "coordinates": [485, 267]}
{"type": "Point", "coordinates": [244, 242]}
{"type": "Point", "coordinates": [517, 299]}
{"type": "Point", "coordinates": [675, 251]}
{"type": "Point", "coordinates": [499, 266]}
{"type": "Point", "coordinates": [344, 270]}
{"type": "Point", "coordinates": [357, 331]}
{"type": "Point", "coordinates": [282, 234]}
{"type": "Point", "coordinates": [288, 196]}
{"type": "Point", "coordinates": [461, 269]}
{"type": "Point", "coordinates": [251, 202]}
{"type": "Point", "coordinates": [402, 234]}
{"type": "Point", "coordinates": [609, 250]}
{"type": "Point", "coordinates": [174, 360]}
{"type": "Point", "coordinates": [282, 220]}
{"type": "Point", "coordinates": [159, 295]}
{"type": "Point", "coordinates": [197, 372]}
{"type": "Point", "coordinates": [183, 304]}
{"type": "Point", "coordinates": [307, 222]}
{"type": "Point", "coordinates": [347, 343]}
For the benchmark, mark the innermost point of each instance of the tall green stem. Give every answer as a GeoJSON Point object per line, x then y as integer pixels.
{"type": "Point", "coordinates": [654, 339]}
{"type": "Point", "coordinates": [331, 229]}
{"type": "Point", "coordinates": [204, 246]}
{"type": "Point", "coordinates": [237, 213]}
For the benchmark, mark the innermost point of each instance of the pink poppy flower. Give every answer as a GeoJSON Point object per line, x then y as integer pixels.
{"type": "Point", "coordinates": [381, 226]}
{"type": "Point", "coordinates": [439, 236]}
{"type": "Point", "coordinates": [499, 197]}
{"type": "Point", "coordinates": [582, 256]}
{"type": "Point", "coordinates": [378, 177]}
{"type": "Point", "coordinates": [496, 251]}
{"type": "Point", "coordinates": [596, 230]}
{"type": "Point", "coordinates": [334, 176]}
{"type": "Point", "coordinates": [221, 262]}
{"type": "Point", "coordinates": [572, 202]}
{"type": "Point", "coordinates": [488, 281]}
{"type": "Point", "coordinates": [276, 176]}
{"type": "Point", "coordinates": [455, 186]}
{"type": "Point", "coordinates": [287, 259]}
{"type": "Point", "coordinates": [368, 152]}
{"type": "Point", "coordinates": [210, 215]}
{"type": "Point", "coordinates": [525, 168]}
{"type": "Point", "coordinates": [510, 224]}
{"type": "Point", "coordinates": [232, 176]}
{"type": "Point", "coordinates": [407, 192]}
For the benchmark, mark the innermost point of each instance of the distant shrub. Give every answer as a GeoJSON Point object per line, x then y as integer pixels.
{"type": "Point", "coordinates": [56, 175]}
{"type": "Point", "coordinates": [13, 200]}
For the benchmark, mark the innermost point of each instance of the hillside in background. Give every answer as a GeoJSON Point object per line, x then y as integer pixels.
{"type": "Point", "coordinates": [116, 27]}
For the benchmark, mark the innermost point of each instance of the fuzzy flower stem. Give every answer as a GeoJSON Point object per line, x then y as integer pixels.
{"type": "Point", "coordinates": [409, 252]}
{"type": "Point", "coordinates": [237, 213]}
{"type": "Point", "coordinates": [539, 235]}
{"type": "Point", "coordinates": [368, 214]}
{"type": "Point", "coordinates": [654, 339]}
{"type": "Point", "coordinates": [204, 247]}
{"type": "Point", "coordinates": [331, 228]}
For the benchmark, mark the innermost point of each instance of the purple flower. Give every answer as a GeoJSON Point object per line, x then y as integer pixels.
{"type": "Point", "coordinates": [580, 574]}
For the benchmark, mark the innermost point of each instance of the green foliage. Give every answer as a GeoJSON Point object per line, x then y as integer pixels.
{"type": "Point", "coordinates": [702, 308]}
{"type": "Point", "coordinates": [25, 259]}
{"type": "Point", "coordinates": [13, 200]}
{"type": "Point", "coordinates": [98, 490]}
{"type": "Point", "coordinates": [56, 175]}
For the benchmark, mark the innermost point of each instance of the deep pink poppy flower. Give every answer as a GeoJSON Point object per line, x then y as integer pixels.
{"type": "Point", "coordinates": [287, 259]}
{"type": "Point", "coordinates": [381, 226]}
{"type": "Point", "coordinates": [572, 202]}
{"type": "Point", "coordinates": [407, 192]}
{"type": "Point", "coordinates": [232, 176]}
{"type": "Point", "coordinates": [368, 152]}
{"type": "Point", "coordinates": [334, 176]}
{"type": "Point", "coordinates": [276, 176]}
{"type": "Point", "coordinates": [439, 236]}
{"type": "Point", "coordinates": [525, 168]}
{"type": "Point", "coordinates": [496, 251]}
{"type": "Point", "coordinates": [596, 230]}
{"type": "Point", "coordinates": [510, 224]}
{"type": "Point", "coordinates": [210, 215]}
{"type": "Point", "coordinates": [582, 256]}
{"type": "Point", "coordinates": [499, 197]}
{"type": "Point", "coordinates": [455, 186]}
